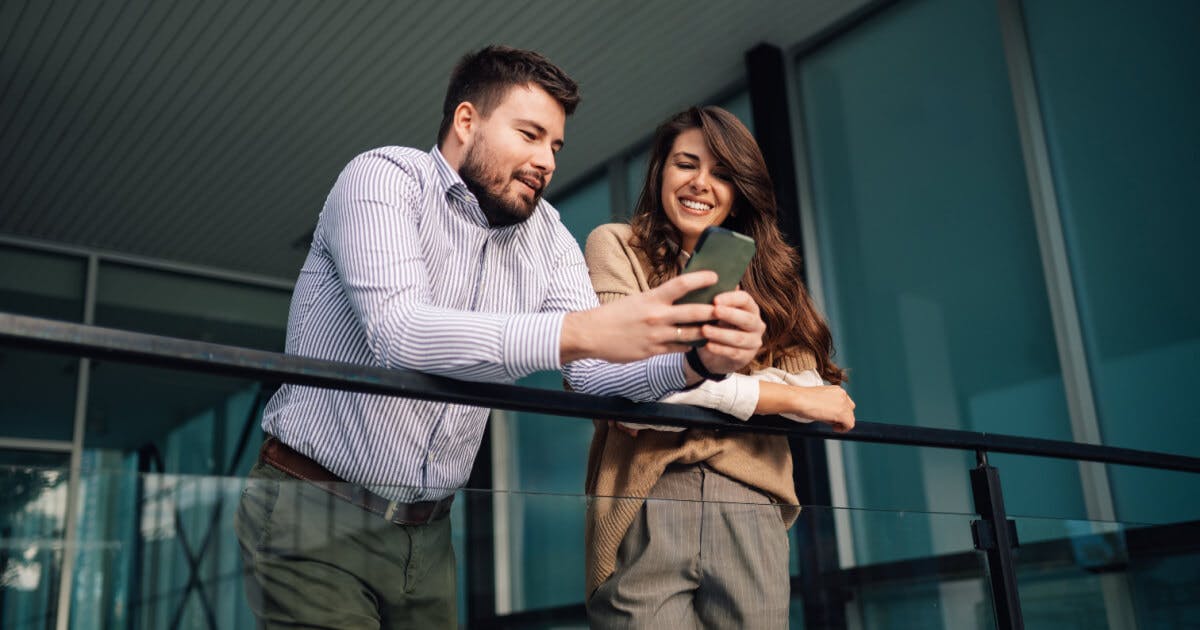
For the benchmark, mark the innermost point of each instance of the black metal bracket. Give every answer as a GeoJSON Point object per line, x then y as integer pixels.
{"type": "Point", "coordinates": [984, 536]}
{"type": "Point", "coordinates": [996, 535]}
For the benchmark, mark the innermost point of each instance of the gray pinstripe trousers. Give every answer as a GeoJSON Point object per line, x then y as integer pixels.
{"type": "Point", "coordinates": [704, 552]}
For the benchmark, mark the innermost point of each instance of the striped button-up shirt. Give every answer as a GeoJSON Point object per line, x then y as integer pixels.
{"type": "Point", "coordinates": [404, 272]}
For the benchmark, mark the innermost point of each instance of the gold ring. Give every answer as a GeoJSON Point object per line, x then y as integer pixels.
{"type": "Point", "coordinates": [678, 334]}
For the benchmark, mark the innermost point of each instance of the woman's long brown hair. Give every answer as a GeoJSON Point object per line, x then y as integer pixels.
{"type": "Point", "coordinates": [773, 279]}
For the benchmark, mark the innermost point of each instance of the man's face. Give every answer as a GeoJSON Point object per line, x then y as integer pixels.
{"type": "Point", "coordinates": [511, 155]}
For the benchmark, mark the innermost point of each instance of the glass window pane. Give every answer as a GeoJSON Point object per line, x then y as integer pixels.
{"type": "Point", "coordinates": [177, 305]}
{"type": "Point", "coordinates": [547, 454]}
{"type": "Point", "coordinates": [1119, 98]}
{"type": "Point", "coordinates": [586, 208]}
{"type": "Point", "coordinates": [37, 400]}
{"type": "Point", "coordinates": [635, 176]}
{"type": "Point", "coordinates": [739, 105]}
{"type": "Point", "coordinates": [1105, 574]}
{"type": "Point", "coordinates": [41, 284]}
{"type": "Point", "coordinates": [933, 273]}
{"type": "Point", "coordinates": [33, 511]}
{"type": "Point", "coordinates": [193, 421]}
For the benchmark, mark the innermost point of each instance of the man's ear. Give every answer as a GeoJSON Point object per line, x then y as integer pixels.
{"type": "Point", "coordinates": [465, 122]}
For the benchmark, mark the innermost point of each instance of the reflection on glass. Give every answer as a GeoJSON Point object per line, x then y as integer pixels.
{"type": "Point", "coordinates": [585, 208]}
{"type": "Point", "coordinates": [37, 399]}
{"type": "Point", "coordinates": [1113, 575]}
{"type": "Point", "coordinates": [177, 305]}
{"type": "Point", "coordinates": [635, 176]}
{"type": "Point", "coordinates": [33, 514]}
{"type": "Point", "coordinates": [1129, 220]}
{"type": "Point", "coordinates": [161, 550]}
{"type": "Point", "coordinates": [187, 422]}
{"type": "Point", "coordinates": [934, 281]}
{"type": "Point", "coordinates": [739, 105]}
{"type": "Point", "coordinates": [536, 454]}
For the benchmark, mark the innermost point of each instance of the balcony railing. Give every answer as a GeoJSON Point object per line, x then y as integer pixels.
{"type": "Point", "coordinates": [991, 531]}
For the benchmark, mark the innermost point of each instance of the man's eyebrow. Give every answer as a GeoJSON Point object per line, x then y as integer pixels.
{"type": "Point", "coordinates": [540, 130]}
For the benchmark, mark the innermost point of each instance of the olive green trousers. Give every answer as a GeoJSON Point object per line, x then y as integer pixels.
{"type": "Point", "coordinates": [313, 560]}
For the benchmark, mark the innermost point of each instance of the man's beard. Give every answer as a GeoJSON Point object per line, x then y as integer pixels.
{"type": "Point", "coordinates": [499, 210]}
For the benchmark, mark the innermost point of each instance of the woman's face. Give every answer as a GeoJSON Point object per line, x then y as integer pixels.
{"type": "Point", "coordinates": [697, 192]}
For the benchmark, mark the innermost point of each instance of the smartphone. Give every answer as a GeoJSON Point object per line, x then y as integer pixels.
{"type": "Point", "coordinates": [724, 251]}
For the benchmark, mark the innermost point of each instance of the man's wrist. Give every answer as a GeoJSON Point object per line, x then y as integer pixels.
{"type": "Point", "coordinates": [573, 342]}
{"type": "Point", "coordinates": [697, 365]}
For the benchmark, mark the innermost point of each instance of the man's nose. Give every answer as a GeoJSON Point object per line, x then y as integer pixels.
{"type": "Point", "coordinates": [543, 160]}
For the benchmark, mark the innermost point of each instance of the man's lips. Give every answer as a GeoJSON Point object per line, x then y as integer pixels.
{"type": "Point", "coordinates": [535, 184]}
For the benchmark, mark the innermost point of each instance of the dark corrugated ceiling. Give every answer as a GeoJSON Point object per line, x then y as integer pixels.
{"type": "Point", "coordinates": [210, 132]}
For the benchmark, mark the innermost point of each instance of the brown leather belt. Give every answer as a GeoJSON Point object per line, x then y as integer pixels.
{"type": "Point", "coordinates": [286, 459]}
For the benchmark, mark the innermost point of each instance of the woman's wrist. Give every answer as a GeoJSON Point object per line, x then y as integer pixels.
{"type": "Point", "coordinates": [697, 365]}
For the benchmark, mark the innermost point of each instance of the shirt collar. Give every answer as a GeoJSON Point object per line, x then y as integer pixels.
{"type": "Point", "coordinates": [455, 189]}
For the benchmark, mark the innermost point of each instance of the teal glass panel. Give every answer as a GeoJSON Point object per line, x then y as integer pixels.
{"type": "Point", "coordinates": [739, 105]}
{"type": "Point", "coordinates": [1119, 96]}
{"type": "Point", "coordinates": [933, 277]}
{"type": "Point", "coordinates": [547, 454]}
{"type": "Point", "coordinates": [37, 399]}
{"type": "Point", "coordinates": [33, 518]}
{"type": "Point", "coordinates": [635, 176]}
{"type": "Point", "coordinates": [157, 551]}
{"type": "Point", "coordinates": [586, 208]}
{"type": "Point", "coordinates": [194, 423]}
{"type": "Point", "coordinates": [1110, 575]}
{"type": "Point", "coordinates": [191, 307]}
{"type": "Point", "coordinates": [542, 454]}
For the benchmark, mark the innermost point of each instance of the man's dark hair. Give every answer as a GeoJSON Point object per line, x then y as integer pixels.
{"type": "Point", "coordinates": [483, 78]}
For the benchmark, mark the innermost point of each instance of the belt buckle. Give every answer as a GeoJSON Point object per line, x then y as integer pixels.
{"type": "Point", "coordinates": [392, 506]}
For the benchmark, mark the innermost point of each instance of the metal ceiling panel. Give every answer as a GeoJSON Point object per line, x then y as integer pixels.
{"type": "Point", "coordinates": [209, 132]}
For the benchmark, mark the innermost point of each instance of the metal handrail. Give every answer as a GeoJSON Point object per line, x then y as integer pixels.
{"type": "Point", "coordinates": [168, 352]}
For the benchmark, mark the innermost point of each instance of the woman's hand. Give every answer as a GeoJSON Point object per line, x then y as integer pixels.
{"type": "Point", "coordinates": [735, 339]}
{"type": "Point", "coordinates": [828, 403]}
{"type": "Point", "coordinates": [824, 403]}
{"type": "Point", "coordinates": [631, 432]}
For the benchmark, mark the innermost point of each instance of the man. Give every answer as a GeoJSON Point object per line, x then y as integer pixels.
{"type": "Point", "coordinates": [450, 263]}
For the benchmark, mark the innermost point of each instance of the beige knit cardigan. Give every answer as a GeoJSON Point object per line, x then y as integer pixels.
{"type": "Point", "coordinates": [622, 469]}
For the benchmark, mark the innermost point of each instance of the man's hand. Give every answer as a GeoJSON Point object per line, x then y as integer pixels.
{"type": "Point", "coordinates": [639, 326]}
{"type": "Point", "coordinates": [735, 339]}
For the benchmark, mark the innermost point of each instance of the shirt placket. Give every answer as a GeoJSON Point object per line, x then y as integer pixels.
{"type": "Point", "coordinates": [452, 417]}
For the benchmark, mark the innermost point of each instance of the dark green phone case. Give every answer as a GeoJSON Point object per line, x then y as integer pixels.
{"type": "Point", "coordinates": [724, 251]}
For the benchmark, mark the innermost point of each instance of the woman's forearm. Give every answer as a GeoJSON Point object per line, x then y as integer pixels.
{"type": "Point", "coordinates": [827, 403]}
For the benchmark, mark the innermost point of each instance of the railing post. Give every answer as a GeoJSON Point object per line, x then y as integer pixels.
{"type": "Point", "coordinates": [996, 535]}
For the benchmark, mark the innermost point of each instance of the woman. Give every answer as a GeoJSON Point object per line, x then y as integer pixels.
{"type": "Point", "coordinates": [710, 550]}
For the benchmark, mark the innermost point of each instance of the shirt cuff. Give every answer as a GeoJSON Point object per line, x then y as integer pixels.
{"type": "Point", "coordinates": [532, 343]}
{"type": "Point", "coordinates": [665, 374]}
{"type": "Point", "coordinates": [744, 399]}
